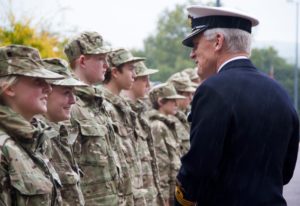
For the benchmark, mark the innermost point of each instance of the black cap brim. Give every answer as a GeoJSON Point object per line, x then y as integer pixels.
{"type": "Point", "coordinates": [188, 41]}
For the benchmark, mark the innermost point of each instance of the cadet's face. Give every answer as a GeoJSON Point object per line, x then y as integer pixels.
{"type": "Point", "coordinates": [96, 66]}
{"type": "Point", "coordinates": [141, 86]}
{"type": "Point", "coordinates": [184, 103]}
{"type": "Point", "coordinates": [125, 78]}
{"type": "Point", "coordinates": [204, 56]}
{"type": "Point", "coordinates": [29, 96]}
{"type": "Point", "coordinates": [59, 104]}
{"type": "Point", "coordinates": [169, 107]}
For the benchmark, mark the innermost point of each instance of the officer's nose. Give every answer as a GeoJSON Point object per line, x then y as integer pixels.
{"type": "Point", "coordinates": [192, 54]}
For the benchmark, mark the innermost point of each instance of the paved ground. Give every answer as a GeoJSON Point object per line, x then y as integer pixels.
{"type": "Point", "coordinates": [291, 192]}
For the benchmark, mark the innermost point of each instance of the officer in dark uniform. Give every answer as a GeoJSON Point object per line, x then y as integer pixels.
{"type": "Point", "coordinates": [245, 131]}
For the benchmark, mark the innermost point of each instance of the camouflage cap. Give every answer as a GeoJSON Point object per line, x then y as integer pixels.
{"type": "Point", "coordinates": [164, 91]}
{"type": "Point", "coordinates": [192, 73]}
{"type": "Point", "coordinates": [182, 82]}
{"type": "Point", "coordinates": [85, 43]}
{"type": "Point", "coordinates": [60, 66]}
{"type": "Point", "coordinates": [24, 61]}
{"type": "Point", "coordinates": [122, 56]}
{"type": "Point", "coordinates": [142, 70]}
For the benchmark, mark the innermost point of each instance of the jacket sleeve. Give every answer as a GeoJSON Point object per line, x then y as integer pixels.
{"type": "Point", "coordinates": [5, 196]}
{"type": "Point", "coordinates": [292, 152]}
{"type": "Point", "coordinates": [210, 118]}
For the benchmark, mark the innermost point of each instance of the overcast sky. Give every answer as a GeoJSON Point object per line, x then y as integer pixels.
{"type": "Point", "coordinates": [127, 23]}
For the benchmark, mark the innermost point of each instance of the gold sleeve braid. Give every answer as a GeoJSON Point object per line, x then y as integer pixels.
{"type": "Point", "coordinates": [180, 197]}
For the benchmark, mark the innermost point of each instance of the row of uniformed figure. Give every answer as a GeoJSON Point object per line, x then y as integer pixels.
{"type": "Point", "coordinates": [85, 134]}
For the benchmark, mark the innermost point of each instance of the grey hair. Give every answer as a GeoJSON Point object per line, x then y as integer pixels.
{"type": "Point", "coordinates": [236, 40]}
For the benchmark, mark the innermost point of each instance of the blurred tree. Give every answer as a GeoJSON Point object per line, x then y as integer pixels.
{"type": "Point", "coordinates": [163, 49]}
{"type": "Point", "coordinates": [165, 52]}
{"type": "Point", "coordinates": [15, 31]}
{"type": "Point", "coordinates": [268, 61]}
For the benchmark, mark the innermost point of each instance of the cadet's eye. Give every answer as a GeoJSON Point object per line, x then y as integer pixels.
{"type": "Point", "coordinates": [39, 82]}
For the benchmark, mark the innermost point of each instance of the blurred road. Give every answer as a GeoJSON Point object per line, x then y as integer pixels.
{"type": "Point", "coordinates": [291, 192]}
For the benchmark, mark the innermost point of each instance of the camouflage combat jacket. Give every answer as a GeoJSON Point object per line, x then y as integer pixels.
{"type": "Point", "coordinates": [61, 156]}
{"type": "Point", "coordinates": [146, 150]}
{"type": "Point", "coordinates": [26, 175]}
{"type": "Point", "coordinates": [124, 122]}
{"type": "Point", "coordinates": [93, 150]}
{"type": "Point", "coordinates": [183, 131]}
{"type": "Point", "coordinates": [168, 155]}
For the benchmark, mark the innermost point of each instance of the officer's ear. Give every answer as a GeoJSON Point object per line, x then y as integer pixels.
{"type": "Point", "coordinates": [219, 41]}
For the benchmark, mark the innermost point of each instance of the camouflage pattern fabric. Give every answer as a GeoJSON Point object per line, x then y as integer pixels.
{"type": "Point", "coordinates": [61, 67]}
{"type": "Point", "coordinates": [182, 82]}
{"type": "Point", "coordinates": [62, 158]}
{"type": "Point", "coordinates": [24, 61]}
{"type": "Point", "coordinates": [93, 150]}
{"type": "Point", "coordinates": [165, 91]}
{"type": "Point", "coordinates": [165, 141]}
{"type": "Point", "coordinates": [26, 175]}
{"type": "Point", "coordinates": [192, 73]}
{"type": "Point", "coordinates": [183, 131]}
{"type": "Point", "coordinates": [85, 43]}
{"type": "Point", "coordinates": [122, 56]}
{"type": "Point", "coordinates": [146, 150]}
{"type": "Point", "coordinates": [142, 70]}
{"type": "Point", "coordinates": [124, 122]}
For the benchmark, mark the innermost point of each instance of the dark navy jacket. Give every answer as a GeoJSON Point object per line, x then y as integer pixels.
{"type": "Point", "coordinates": [244, 140]}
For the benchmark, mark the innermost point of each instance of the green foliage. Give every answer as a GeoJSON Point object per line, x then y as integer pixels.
{"type": "Point", "coordinates": [267, 59]}
{"type": "Point", "coordinates": [164, 49]}
{"type": "Point", "coordinates": [165, 52]}
{"type": "Point", "coordinates": [13, 31]}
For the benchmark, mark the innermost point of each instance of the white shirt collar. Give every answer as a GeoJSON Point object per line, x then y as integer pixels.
{"type": "Point", "coordinates": [229, 60]}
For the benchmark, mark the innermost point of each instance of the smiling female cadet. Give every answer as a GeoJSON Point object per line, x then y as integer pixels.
{"type": "Point", "coordinates": [58, 113]}
{"type": "Point", "coordinates": [26, 175]}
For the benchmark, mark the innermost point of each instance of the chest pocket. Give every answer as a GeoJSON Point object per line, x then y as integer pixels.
{"type": "Point", "coordinates": [171, 142]}
{"type": "Point", "coordinates": [93, 143]}
{"type": "Point", "coordinates": [182, 132]}
{"type": "Point", "coordinates": [30, 182]}
{"type": "Point", "coordinates": [141, 134]}
{"type": "Point", "coordinates": [32, 189]}
{"type": "Point", "coordinates": [127, 144]}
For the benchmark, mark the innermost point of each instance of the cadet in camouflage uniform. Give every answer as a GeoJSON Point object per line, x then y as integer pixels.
{"type": "Point", "coordinates": [145, 146]}
{"type": "Point", "coordinates": [26, 175]}
{"type": "Point", "coordinates": [61, 154]}
{"type": "Point", "coordinates": [102, 172]}
{"type": "Point", "coordinates": [120, 76]}
{"type": "Point", "coordinates": [163, 98]}
{"type": "Point", "coordinates": [184, 87]}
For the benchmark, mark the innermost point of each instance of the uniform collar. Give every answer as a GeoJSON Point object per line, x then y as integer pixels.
{"type": "Point", "coordinates": [230, 60]}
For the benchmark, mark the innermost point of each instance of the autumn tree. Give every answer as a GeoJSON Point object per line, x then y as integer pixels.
{"type": "Point", "coordinates": [22, 31]}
